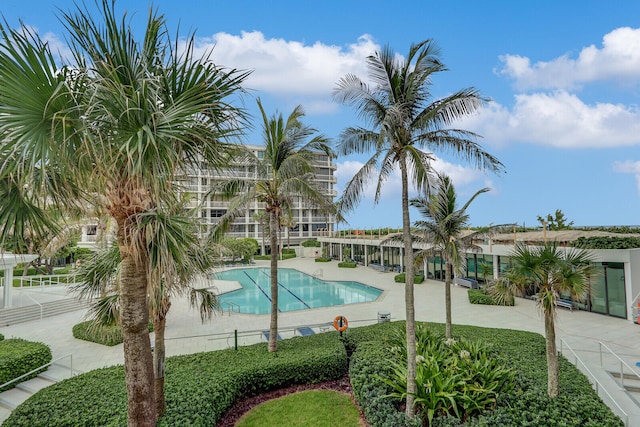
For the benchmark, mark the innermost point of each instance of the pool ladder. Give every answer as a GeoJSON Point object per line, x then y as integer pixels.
{"type": "Point", "coordinates": [231, 307]}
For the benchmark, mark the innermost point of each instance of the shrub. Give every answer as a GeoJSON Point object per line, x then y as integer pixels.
{"type": "Point", "coordinates": [347, 264]}
{"type": "Point", "coordinates": [323, 259]}
{"type": "Point", "coordinates": [453, 377]}
{"type": "Point", "coordinates": [1, 337]}
{"type": "Point", "coordinates": [200, 387]}
{"type": "Point", "coordinates": [288, 251]}
{"type": "Point", "coordinates": [18, 356]}
{"type": "Point", "coordinates": [480, 296]}
{"type": "Point", "coordinates": [311, 243]}
{"type": "Point", "coordinates": [101, 334]}
{"type": "Point", "coordinates": [400, 278]}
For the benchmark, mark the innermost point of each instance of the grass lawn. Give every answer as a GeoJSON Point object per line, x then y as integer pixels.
{"type": "Point", "coordinates": [312, 408]}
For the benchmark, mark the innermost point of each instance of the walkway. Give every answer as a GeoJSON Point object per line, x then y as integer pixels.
{"type": "Point", "coordinates": [186, 334]}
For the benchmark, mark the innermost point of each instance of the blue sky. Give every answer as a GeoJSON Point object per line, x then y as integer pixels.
{"type": "Point", "coordinates": [563, 78]}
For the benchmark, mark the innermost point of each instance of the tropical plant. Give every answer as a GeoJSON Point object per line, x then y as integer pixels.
{"type": "Point", "coordinates": [405, 119]}
{"type": "Point", "coordinates": [283, 174]}
{"type": "Point", "coordinates": [552, 271]}
{"type": "Point", "coordinates": [112, 129]}
{"type": "Point", "coordinates": [445, 231]}
{"type": "Point", "coordinates": [557, 221]}
{"type": "Point", "coordinates": [454, 377]}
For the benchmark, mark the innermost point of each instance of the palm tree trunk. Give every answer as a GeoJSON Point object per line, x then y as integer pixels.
{"type": "Point", "coordinates": [138, 362]}
{"type": "Point", "coordinates": [408, 292]}
{"type": "Point", "coordinates": [159, 354]}
{"type": "Point", "coordinates": [447, 296]}
{"type": "Point", "coordinates": [552, 354]}
{"type": "Point", "coordinates": [273, 328]}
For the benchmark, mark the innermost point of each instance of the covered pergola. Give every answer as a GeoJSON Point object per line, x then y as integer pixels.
{"type": "Point", "coordinates": [8, 262]}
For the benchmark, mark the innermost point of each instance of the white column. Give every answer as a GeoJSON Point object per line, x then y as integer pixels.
{"type": "Point", "coordinates": [8, 284]}
{"type": "Point", "coordinates": [496, 267]}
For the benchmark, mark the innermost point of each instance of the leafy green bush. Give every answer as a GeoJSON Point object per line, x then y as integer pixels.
{"type": "Point", "coordinates": [323, 259]}
{"type": "Point", "coordinates": [611, 242]}
{"type": "Point", "coordinates": [400, 278]}
{"type": "Point", "coordinates": [1, 337]}
{"type": "Point", "coordinates": [288, 251]}
{"type": "Point", "coordinates": [311, 243]}
{"type": "Point", "coordinates": [347, 264]}
{"type": "Point", "coordinates": [18, 356]}
{"type": "Point", "coordinates": [200, 387]}
{"type": "Point", "coordinates": [480, 296]}
{"type": "Point", "coordinates": [453, 377]}
{"type": "Point", "coordinates": [262, 257]}
{"type": "Point", "coordinates": [101, 334]}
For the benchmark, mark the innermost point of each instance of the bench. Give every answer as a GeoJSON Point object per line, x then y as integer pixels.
{"type": "Point", "coordinates": [565, 303]}
{"type": "Point", "coordinates": [467, 283]}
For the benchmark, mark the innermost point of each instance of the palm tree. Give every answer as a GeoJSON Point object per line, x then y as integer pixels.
{"type": "Point", "coordinates": [552, 271]}
{"type": "Point", "coordinates": [115, 127]}
{"type": "Point", "coordinates": [404, 119]}
{"type": "Point", "coordinates": [443, 229]}
{"type": "Point", "coordinates": [176, 260]}
{"type": "Point", "coordinates": [283, 174]}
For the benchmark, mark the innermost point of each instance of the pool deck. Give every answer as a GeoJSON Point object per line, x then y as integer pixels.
{"type": "Point", "coordinates": [186, 334]}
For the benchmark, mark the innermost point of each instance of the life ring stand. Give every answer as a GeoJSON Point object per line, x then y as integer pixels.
{"type": "Point", "coordinates": [340, 323]}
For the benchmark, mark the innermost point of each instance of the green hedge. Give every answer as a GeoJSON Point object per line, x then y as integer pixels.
{"type": "Point", "coordinates": [18, 356]}
{"type": "Point", "coordinates": [347, 264]}
{"type": "Point", "coordinates": [311, 243]}
{"type": "Point", "coordinates": [105, 335]}
{"type": "Point", "coordinates": [284, 256]}
{"type": "Point", "coordinates": [323, 259]}
{"type": "Point", "coordinates": [400, 278]}
{"type": "Point", "coordinates": [200, 388]}
{"type": "Point", "coordinates": [480, 296]}
{"type": "Point", "coordinates": [1, 337]}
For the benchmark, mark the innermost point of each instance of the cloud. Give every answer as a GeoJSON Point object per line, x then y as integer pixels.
{"type": "Point", "coordinates": [617, 60]}
{"type": "Point", "coordinates": [558, 119]}
{"type": "Point", "coordinates": [289, 68]}
{"type": "Point", "coordinates": [629, 167]}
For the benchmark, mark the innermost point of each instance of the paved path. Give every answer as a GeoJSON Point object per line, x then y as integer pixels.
{"type": "Point", "coordinates": [186, 334]}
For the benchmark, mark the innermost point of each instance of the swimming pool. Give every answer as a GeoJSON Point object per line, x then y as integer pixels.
{"type": "Point", "coordinates": [296, 290]}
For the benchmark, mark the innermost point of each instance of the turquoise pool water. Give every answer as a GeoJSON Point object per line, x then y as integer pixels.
{"type": "Point", "coordinates": [297, 291]}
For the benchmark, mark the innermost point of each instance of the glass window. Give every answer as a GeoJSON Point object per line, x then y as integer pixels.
{"type": "Point", "coordinates": [616, 299]}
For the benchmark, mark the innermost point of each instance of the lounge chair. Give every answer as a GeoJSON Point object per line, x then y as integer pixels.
{"type": "Point", "coordinates": [266, 335]}
{"type": "Point", "coordinates": [305, 331]}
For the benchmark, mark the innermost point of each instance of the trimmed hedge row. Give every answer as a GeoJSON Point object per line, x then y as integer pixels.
{"type": "Point", "coordinates": [528, 405]}
{"type": "Point", "coordinates": [105, 335]}
{"type": "Point", "coordinates": [18, 356]}
{"type": "Point", "coordinates": [323, 259]}
{"type": "Point", "coordinates": [400, 278]}
{"type": "Point", "coordinates": [347, 264]}
{"type": "Point", "coordinates": [480, 296]}
{"type": "Point", "coordinates": [200, 388]}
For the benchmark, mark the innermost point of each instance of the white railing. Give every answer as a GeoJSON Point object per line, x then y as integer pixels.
{"type": "Point", "coordinates": [231, 307]}
{"type": "Point", "coordinates": [623, 364]}
{"type": "Point", "coordinates": [597, 384]}
{"type": "Point", "coordinates": [32, 299]}
{"type": "Point", "coordinates": [46, 280]}
{"type": "Point", "coordinates": [41, 368]}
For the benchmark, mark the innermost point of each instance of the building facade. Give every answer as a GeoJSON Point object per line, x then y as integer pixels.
{"type": "Point", "coordinates": [307, 221]}
{"type": "Point", "coordinates": [614, 289]}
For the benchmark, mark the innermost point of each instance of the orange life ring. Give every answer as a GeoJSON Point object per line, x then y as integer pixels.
{"type": "Point", "coordinates": [340, 323]}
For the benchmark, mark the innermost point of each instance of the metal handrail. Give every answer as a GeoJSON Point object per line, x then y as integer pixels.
{"type": "Point", "coordinates": [592, 377]}
{"type": "Point", "coordinates": [32, 299]}
{"type": "Point", "coordinates": [46, 280]}
{"type": "Point", "coordinates": [70, 356]}
{"type": "Point", "coordinates": [231, 306]}
{"type": "Point", "coordinates": [622, 364]}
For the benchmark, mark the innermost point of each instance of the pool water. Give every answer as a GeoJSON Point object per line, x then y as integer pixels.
{"type": "Point", "coordinates": [296, 291]}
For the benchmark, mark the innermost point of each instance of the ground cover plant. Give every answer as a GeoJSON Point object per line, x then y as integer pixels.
{"type": "Point", "coordinates": [18, 356]}
{"type": "Point", "coordinates": [311, 408]}
{"type": "Point", "coordinates": [92, 331]}
{"type": "Point", "coordinates": [400, 278]}
{"type": "Point", "coordinates": [202, 387]}
{"type": "Point", "coordinates": [481, 296]}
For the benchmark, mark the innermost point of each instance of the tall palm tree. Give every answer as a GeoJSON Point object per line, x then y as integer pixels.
{"type": "Point", "coordinates": [404, 119]}
{"type": "Point", "coordinates": [444, 229]}
{"type": "Point", "coordinates": [552, 271]}
{"type": "Point", "coordinates": [115, 127]}
{"type": "Point", "coordinates": [283, 174]}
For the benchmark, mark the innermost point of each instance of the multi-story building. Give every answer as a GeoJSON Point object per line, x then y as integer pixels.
{"type": "Point", "coordinates": [307, 221]}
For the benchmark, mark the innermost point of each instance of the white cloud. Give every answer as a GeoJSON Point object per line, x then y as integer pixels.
{"type": "Point", "coordinates": [618, 59]}
{"type": "Point", "coordinates": [557, 119]}
{"type": "Point", "coordinates": [287, 67]}
{"type": "Point", "coordinates": [629, 167]}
